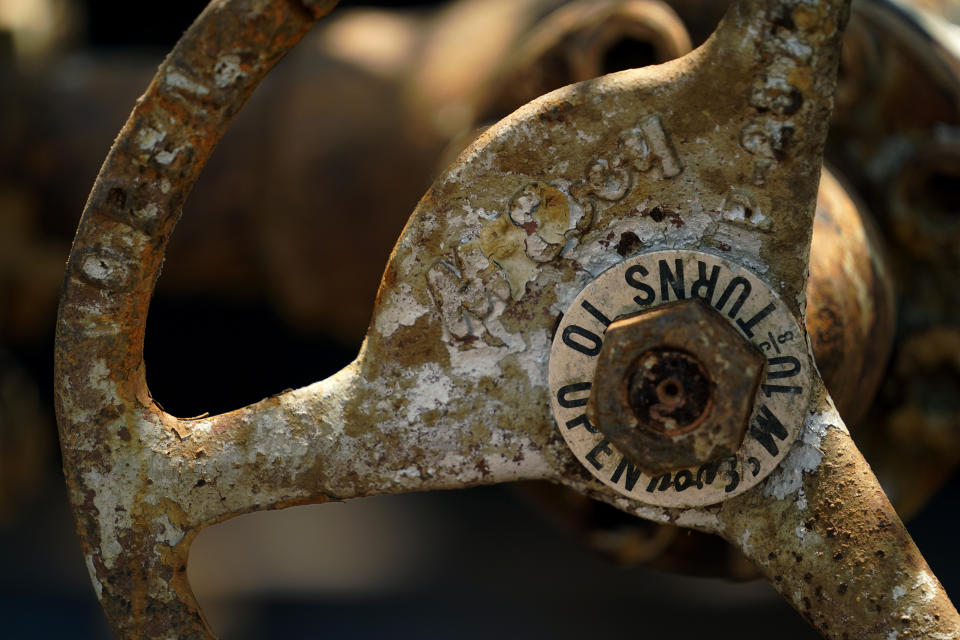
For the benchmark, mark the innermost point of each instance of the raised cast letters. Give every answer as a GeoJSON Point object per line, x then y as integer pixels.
{"type": "Point", "coordinates": [466, 304]}
{"type": "Point", "coordinates": [642, 150]}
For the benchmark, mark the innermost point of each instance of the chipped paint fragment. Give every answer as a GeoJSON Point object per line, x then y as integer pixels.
{"type": "Point", "coordinates": [504, 243]}
{"type": "Point", "coordinates": [169, 534]}
{"type": "Point", "coordinates": [431, 390]}
{"type": "Point", "coordinates": [147, 212]}
{"type": "Point", "coordinates": [180, 81]}
{"type": "Point", "coordinates": [92, 571]}
{"type": "Point", "coordinates": [400, 309]}
{"type": "Point", "coordinates": [148, 137]}
{"type": "Point", "coordinates": [166, 157]}
{"type": "Point", "coordinates": [227, 71]}
{"type": "Point", "coordinates": [805, 456]}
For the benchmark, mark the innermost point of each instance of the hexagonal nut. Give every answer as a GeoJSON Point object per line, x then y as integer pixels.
{"type": "Point", "coordinates": [674, 386]}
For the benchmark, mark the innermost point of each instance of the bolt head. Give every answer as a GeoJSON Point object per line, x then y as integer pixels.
{"type": "Point", "coordinates": [674, 386]}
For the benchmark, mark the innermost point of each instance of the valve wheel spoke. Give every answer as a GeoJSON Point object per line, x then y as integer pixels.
{"type": "Point", "coordinates": [825, 535]}
{"type": "Point", "coordinates": [339, 439]}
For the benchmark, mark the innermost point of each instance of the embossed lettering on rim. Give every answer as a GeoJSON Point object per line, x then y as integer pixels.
{"type": "Point", "coordinates": [644, 282]}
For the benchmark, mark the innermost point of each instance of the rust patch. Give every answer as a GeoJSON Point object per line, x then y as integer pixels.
{"type": "Point", "coordinates": [555, 112]}
{"type": "Point", "coordinates": [843, 557]}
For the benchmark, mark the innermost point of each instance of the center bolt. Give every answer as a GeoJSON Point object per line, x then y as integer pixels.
{"type": "Point", "coordinates": [669, 391]}
{"type": "Point", "coordinates": [674, 386]}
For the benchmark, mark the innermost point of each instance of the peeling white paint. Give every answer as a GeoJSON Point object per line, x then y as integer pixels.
{"type": "Point", "coordinates": [697, 519]}
{"type": "Point", "coordinates": [566, 292]}
{"type": "Point", "coordinates": [801, 499]}
{"type": "Point", "coordinates": [148, 212]}
{"type": "Point", "coordinates": [169, 534]}
{"type": "Point", "coordinates": [400, 308]}
{"type": "Point", "coordinates": [98, 267]}
{"type": "Point", "coordinates": [533, 360]}
{"type": "Point", "coordinates": [227, 71]}
{"type": "Point", "coordinates": [407, 473]}
{"type": "Point", "coordinates": [148, 137]}
{"type": "Point", "coordinates": [92, 571]}
{"type": "Point", "coordinates": [804, 457]}
{"type": "Point", "coordinates": [166, 157]}
{"type": "Point", "coordinates": [431, 390]}
{"type": "Point", "coordinates": [111, 492]}
{"type": "Point", "coordinates": [180, 81]}
{"type": "Point", "coordinates": [927, 585]}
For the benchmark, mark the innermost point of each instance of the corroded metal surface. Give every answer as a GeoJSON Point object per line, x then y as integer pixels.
{"type": "Point", "coordinates": [717, 151]}
{"type": "Point", "coordinates": [826, 537]}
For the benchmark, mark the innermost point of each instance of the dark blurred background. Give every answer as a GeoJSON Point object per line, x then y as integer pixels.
{"type": "Point", "coordinates": [245, 309]}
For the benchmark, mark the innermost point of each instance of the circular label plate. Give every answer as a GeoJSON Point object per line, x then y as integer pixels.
{"type": "Point", "coordinates": [647, 281]}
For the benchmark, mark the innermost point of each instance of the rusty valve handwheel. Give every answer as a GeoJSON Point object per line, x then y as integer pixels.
{"type": "Point", "coordinates": [654, 221]}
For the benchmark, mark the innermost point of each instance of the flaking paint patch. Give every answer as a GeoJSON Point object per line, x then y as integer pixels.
{"type": "Point", "coordinates": [431, 390]}
{"type": "Point", "coordinates": [168, 533]}
{"type": "Point", "coordinates": [567, 291]}
{"type": "Point", "coordinates": [166, 157]}
{"type": "Point", "coordinates": [148, 138]}
{"type": "Point", "coordinates": [180, 81]}
{"type": "Point", "coordinates": [98, 267]}
{"type": "Point", "coordinates": [92, 571]}
{"type": "Point", "coordinates": [148, 212]}
{"type": "Point", "coordinates": [109, 493]}
{"type": "Point", "coordinates": [98, 378]}
{"type": "Point", "coordinates": [485, 361]}
{"type": "Point", "coordinates": [227, 71]}
{"type": "Point", "coordinates": [476, 364]}
{"type": "Point", "coordinates": [533, 359]}
{"type": "Point", "coordinates": [698, 519]}
{"type": "Point", "coordinates": [400, 309]}
{"type": "Point", "coordinates": [927, 586]}
{"type": "Point", "coordinates": [804, 457]}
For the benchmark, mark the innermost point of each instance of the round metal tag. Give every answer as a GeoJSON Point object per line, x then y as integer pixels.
{"type": "Point", "coordinates": [647, 281]}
